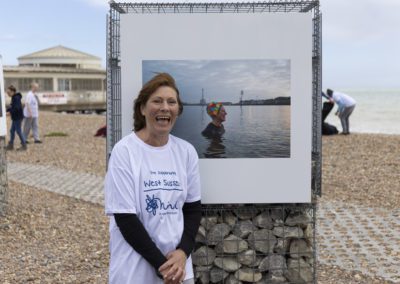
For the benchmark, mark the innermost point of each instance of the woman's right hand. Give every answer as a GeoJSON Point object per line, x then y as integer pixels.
{"type": "Point", "coordinates": [173, 270]}
{"type": "Point", "coordinates": [178, 280]}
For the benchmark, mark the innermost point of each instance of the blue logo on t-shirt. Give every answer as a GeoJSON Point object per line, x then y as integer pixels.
{"type": "Point", "coordinates": [154, 203]}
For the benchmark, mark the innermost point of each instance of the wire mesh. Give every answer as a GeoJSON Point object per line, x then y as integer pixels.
{"type": "Point", "coordinates": [271, 6]}
{"type": "Point", "coordinates": [316, 155]}
{"type": "Point", "coordinates": [114, 129]}
{"type": "Point", "coordinates": [263, 243]}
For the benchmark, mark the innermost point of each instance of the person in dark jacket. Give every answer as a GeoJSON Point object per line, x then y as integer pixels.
{"type": "Point", "coordinates": [16, 112]}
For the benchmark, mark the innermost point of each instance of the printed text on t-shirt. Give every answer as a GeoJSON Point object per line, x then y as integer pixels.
{"type": "Point", "coordinates": [158, 182]}
{"type": "Point", "coordinates": [162, 183]}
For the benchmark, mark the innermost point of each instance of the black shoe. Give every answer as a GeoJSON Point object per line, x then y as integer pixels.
{"type": "Point", "coordinates": [27, 142]}
{"type": "Point", "coordinates": [10, 147]}
{"type": "Point", "coordinates": [38, 142]}
{"type": "Point", "coordinates": [22, 148]}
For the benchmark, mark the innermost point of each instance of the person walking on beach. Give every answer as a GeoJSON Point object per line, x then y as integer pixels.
{"type": "Point", "coordinates": [15, 110]}
{"type": "Point", "coordinates": [152, 193]}
{"type": "Point", "coordinates": [346, 105]}
{"type": "Point", "coordinates": [31, 114]}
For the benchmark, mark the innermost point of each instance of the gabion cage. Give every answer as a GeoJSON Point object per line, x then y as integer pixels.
{"type": "Point", "coordinates": [240, 243]}
{"type": "Point", "coordinates": [256, 244]}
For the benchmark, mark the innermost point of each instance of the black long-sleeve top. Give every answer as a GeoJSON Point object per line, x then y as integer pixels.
{"type": "Point", "coordinates": [136, 235]}
{"type": "Point", "coordinates": [15, 107]}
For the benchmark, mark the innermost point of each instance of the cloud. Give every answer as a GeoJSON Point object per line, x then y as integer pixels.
{"type": "Point", "coordinates": [98, 3]}
{"type": "Point", "coordinates": [186, 1]}
{"type": "Point", "coordinates": [223, 80]}
{"type": "Point", "coordinates": [361, 39]}
{"type": "Point", "coordinates": [361, 20]}
{"type": "Point", "coordinates": [8, 37]}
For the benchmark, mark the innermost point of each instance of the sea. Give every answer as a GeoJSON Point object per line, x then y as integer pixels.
{"type": "Point", "coordinates": [251, 131]}
{"type": "Point", "coordinates": [375, 112]}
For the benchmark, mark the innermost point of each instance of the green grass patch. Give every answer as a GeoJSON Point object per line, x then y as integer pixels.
{"type": "Point", "coordinates": [56, 134]}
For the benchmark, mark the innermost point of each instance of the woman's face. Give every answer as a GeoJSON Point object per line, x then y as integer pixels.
{"type": "Point", "coordinates": [221, 116]}
{"type": "Point", "coordinates": [161, 111]}
{"type": "Point", "coordinates": [9, 92]}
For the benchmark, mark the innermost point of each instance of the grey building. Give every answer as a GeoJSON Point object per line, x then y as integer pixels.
{"type": "Point", "coordinates": [68, 79]}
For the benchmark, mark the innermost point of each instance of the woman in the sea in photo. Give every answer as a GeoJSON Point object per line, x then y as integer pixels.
{"type": "Point", "coordinates": [218, 114]}
{"type": "Point", "coordinates": [215, 130]}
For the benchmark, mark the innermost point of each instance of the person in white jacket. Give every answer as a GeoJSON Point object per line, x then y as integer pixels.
{"type": "Point", "coordinates": [346, 105]}
{"type": "Point", "coordinates": [31, 114]}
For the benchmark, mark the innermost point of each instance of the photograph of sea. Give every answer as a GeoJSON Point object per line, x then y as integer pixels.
{"type": "Point", "coordinates": [246, 102]}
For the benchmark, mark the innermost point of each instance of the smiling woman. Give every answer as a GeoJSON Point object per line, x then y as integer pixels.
{"type": "Point", "coordinates": [163, 97]}
{"type": "Point", "coordinates": [152, 193]}
{"type": "Point", "coordinates": [159, 114]}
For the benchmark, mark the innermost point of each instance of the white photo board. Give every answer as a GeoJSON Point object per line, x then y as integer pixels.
{"type": "Point", "coordinates": [232, 38]}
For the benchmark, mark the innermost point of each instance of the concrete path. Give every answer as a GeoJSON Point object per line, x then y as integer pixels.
{"type": "Point", "coordinates": [352, 237]}
{"type": "Point", "coordinates": [83, 186]}
{"type": "Point", "coordinates": [360, 238]}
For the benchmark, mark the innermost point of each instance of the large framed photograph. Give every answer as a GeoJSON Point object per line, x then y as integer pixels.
{"type": "Point", "coordinates": [255, 72]}
{"type": "Point", "coordinates": [250, 97]}
{"type": "Point", "coordinates": [3, 122]}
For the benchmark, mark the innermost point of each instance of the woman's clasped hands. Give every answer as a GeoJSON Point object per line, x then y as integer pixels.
{"type": "Point", "coordinates": [173, 270]}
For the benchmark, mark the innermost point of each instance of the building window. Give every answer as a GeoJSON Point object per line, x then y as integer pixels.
{"type": "Point", "coordinates": [24, 84]}
{"type": "Point", "coordinates": [11, 81]}
{"type": "Point", "coordinates": [86, 84]}
{"type": "Point", "coordinates": [64, 85]}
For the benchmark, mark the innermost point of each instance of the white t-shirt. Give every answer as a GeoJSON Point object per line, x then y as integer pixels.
{"type": "Point", "coordinates": [31, 100]}
{"type": "Point", "coordinates": [153, 183]}
{"type": "Point", "coordinates": [343, 100]}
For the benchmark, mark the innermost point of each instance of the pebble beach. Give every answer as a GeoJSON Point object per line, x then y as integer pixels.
{"type": "Point", "coordinates": [51, 238]}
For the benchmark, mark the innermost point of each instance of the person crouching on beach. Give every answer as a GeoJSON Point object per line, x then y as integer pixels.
{"type": "Point", "coordinates": [218, 114]}
{"type": "Point", "coordinates": [152, 193]}
{"type": "Point", "coordinates": [346, 105]}
{"type": "Point", "coordinates": [15, 110]}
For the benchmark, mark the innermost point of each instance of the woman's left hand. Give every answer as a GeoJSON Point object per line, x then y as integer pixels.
{"type": "Point", "coordinates": [173, 270]}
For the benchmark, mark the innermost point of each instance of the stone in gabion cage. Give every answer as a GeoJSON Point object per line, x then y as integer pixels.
{"type": "Point", "coordinates": [255, 244]}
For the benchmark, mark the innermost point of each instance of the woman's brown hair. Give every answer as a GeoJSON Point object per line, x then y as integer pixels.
{"type": "Point", "coordinates": [160, 80]}
{"type": "Point", "coordinates": [12, 88]}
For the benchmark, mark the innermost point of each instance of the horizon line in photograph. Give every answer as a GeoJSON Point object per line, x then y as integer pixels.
{"type": "Point", "coordinates": [233, 82]}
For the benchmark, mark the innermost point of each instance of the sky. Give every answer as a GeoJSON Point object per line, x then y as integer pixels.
{"type": "Point", "coordinates": [361, 38]}
{"type": "Point", "coordinates": [259, 79]}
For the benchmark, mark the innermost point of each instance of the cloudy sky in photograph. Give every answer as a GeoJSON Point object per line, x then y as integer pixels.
{"type": "Point", "coordinates": [361, 38]}
{"type": "Point", "coordinates": [223, 80]}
